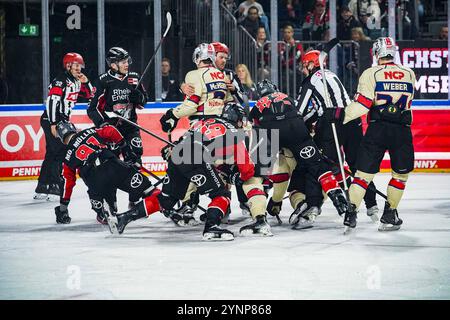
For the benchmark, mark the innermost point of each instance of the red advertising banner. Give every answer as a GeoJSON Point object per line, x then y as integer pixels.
{"type": "Point", "coordinates": [22, 141]}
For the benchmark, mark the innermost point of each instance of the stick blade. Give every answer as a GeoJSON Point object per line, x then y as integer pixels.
{"type": "Point", "coordinates": [169, 23]}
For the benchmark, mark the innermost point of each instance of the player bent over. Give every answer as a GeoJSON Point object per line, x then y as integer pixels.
{"type": "Point", "coordinates": [100, 169]}
{"type": "Point", "coordinates": [385, 92]}
{"type": "Point", "coordinates": [277, 111]}
{"type": "Point", "coordinates": [192, 160]}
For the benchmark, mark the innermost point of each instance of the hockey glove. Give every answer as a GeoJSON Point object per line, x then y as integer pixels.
{"type": "Point", "coordinates": [168, 121]}
{"type": "Point", "coordinates": [129, 157]}
{"type": "Point", "coordinates": [136, 97]}
{"type": "Point", "coordinates": [235, 178]}
{"type": "Point", "coordinates": [335, 115]}
{"type": "Point", "coordinates": [166, 152]}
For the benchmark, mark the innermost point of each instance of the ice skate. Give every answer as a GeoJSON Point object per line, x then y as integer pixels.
{"type": "Point", "coordinates": [41, 192]}
{"type": "Point", "coordinates": [350, 219]}
{"type": "Point", "coordinates": [307, 218]}
{"type": "Point", "coordinates": [62, 216]}
{"type": "Point", "coordinates": [187, 214]}
{"type": "Point", "coordinates": [298, 212]}
{"type": "Point", "coordinates": [245, 209]}
{"type": "Point", "coordinates": [259, 227]}
{"type": "Point", "coordinates": [53, 192]}
{"type": "Point", "coordinates": [389, 220]}
{"type": "Point", "coordinates": [372, 213]}
{"type": "Point", "coordinates": [216, 233]}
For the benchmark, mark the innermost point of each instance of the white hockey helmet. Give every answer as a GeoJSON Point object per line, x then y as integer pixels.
{"type": "Point", "coordinates": [384, 47]}
{"type": "Point", "coordinates": [204, 51]}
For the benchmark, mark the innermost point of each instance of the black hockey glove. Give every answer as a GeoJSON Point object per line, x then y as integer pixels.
{"type": "Point", "coordinates": [62, 214]}
{"type": "Point", "coordinates": [235, 177]}
{"type": "Point", "coordinates": [136, 97]}
{"type": "Point", "coordinates": [335, 115]}
{"type": "Point", "coordinates": [129, 156]}
{"type": "Point", "coordinates": [168, 121]}
{"type": "Point", "coordinates": [166, 152]}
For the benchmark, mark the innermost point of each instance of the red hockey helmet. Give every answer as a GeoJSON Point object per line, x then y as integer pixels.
{"type": "Point", "coordinates": [311, 56]}
{"type": "Point", "coordinates": [72, 57]}
{"type": "Point", "coordinates": [220, 47]}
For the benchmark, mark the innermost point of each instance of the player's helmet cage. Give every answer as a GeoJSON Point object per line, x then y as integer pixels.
{"type": "Point", "coordinates": [265, 87]}
{"type": "Point", "coordinates": [64, 128]}
{"type": "Point", "coordinates": [117, 54]}
{"type": "Point", "coordinates": [233, 112]}
{"type": "Point", "coordinates": [311, 56]}
{"type": "Point", "coordinates": [384, 47]}
{"type": "Point", "coordinates": [204, 51]}
{"type": "Point", "coordinates": [72, 57]}
{"type": "Point", "coordinates": [221, 47]}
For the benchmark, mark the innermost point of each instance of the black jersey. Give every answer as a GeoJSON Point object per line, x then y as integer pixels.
{"type": "Point", "coordinates": [86, 147]}
{"type": "Point", "coordinates": [63, 94]}
{"type": "Point", "coordinates": [238, 94]}
{"type": "Point", "coordinates": [112, 94]}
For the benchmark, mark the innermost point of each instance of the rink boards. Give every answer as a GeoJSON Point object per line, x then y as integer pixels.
{"type": "Point", "coordinates": [22, 141]}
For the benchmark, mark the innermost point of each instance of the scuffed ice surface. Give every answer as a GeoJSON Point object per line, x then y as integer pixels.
{"type": "Point", "coordinates": [154, 259]}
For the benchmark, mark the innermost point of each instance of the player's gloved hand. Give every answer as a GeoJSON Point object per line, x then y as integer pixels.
{"type": "Point", "coordinates": [136, 97]}
{"type": "Point", "coordinates": [129, 156]}
{"type": "Point", "coordinates": [168, 121]}
{"type": "Point", "coordinates": [335, 115]}
{"type": "Point", "coordinates": [235, 178]}
{"type": "Point", "coordinates": [166, 152]}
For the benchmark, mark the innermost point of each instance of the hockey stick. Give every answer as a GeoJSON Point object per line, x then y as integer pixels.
{"type": "Point", "coordinates": [169, 23]}
{"type": "Point", "coordinates": [323, 54]}
{"type": "Point", "coordinates": [115, 115]}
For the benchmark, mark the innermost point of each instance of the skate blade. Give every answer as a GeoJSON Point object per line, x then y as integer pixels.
{"type": "Point", "coordinates": [261, 233]}
{"type": "Point", "coordinates": [294, 220]}
{"type": "Point", "coordinates": [374, 218]}
{"type": "Point", "coordinates": [348, 230]}
{"type": "Point", "coordinates": [213, 237]}
{"type": "Point", "coordinates": [52, 198]}
{"type": "Point", "coordinates": [388, 227]}
{"type": "Point", "coordinates": [40, 196]}
{"type": "Point", "coordinates": [303, 224]}
{"type": "Point", "coordinates": [112, 224]}
{"type": "Point", "coordinates": [192, 223]}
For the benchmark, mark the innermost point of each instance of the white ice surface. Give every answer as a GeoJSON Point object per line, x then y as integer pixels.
{"type": "Point", "coordinates": [154, 259]}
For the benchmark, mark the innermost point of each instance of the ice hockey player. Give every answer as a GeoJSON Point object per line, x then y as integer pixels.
{"type": "Point", "coordinates": [276, 110]}
{"type": "Point", "coordinates": [385, 92]}
{"type": "Point", "coordinates": [192, 159]}
{"type": "Point", "coordinates": [116, 90]}
{"type": "Point", "coordinates": [100, 169]}
{"type": "Point", "coordinates": [210, 89]}
{"type": "Point", "coordinates": [349, 135]}
{"type": "Point", "coordinates": [62, 96]}
{"type": "Point", "coordinates": [234, 86]}
{"type": "Point", "coordinates": [253, 188]}
{"type": "Point", "coordinates": [206, 101]}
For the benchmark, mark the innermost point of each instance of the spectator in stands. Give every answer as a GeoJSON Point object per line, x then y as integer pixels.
{"type": "Point", "coordinates": [359, 35]}
{"type": "Point", "coordinates": [252, 22]}
{"type": "Point", "coordinates": [317, 23]}
{"type": "Point", "coordinates": [347, 23]}
{"type": "Point", "coordinates": [290, 53]}
{"type": "Point", "coordinates": [170, 84]}
{"type": "Point", "coordinates": [367, 12]}
{"type": "Point", "coordinates": [443, 34]}
{"type": "Point", "coordinates": [231, 6]}
{"type": "Point", "coordinates": [243, 11]}
{"type": "Point", "coordinates": [289, 12]}
{"type": "Point", "coordinates": [262, 52]}
{"type": "Point", "coordinates": [247, 82]}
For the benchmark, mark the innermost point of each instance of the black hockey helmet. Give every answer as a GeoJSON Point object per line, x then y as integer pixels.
{"type": "Point", "coordinates": [116, 54]}
{"type": "Point", "coordinates": [233, 112]}
{"type": "Point", "coordinates": [64, 128]}
{"type": "Point", "coordinates": [265, 87]}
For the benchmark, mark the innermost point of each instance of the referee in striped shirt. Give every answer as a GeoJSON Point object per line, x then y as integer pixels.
{"type": "Point", "coordinates": [311, 104]}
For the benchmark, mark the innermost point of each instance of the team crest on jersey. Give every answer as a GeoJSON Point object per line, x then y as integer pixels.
{"type": "Point", "coordinates": [136, 142]}
{"type": "Point", "coordinates": [307, 152]}
{"type": "Point", "coordinates": [96, 204]}
{"type": "Point", "coordinates": [198, 180]}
